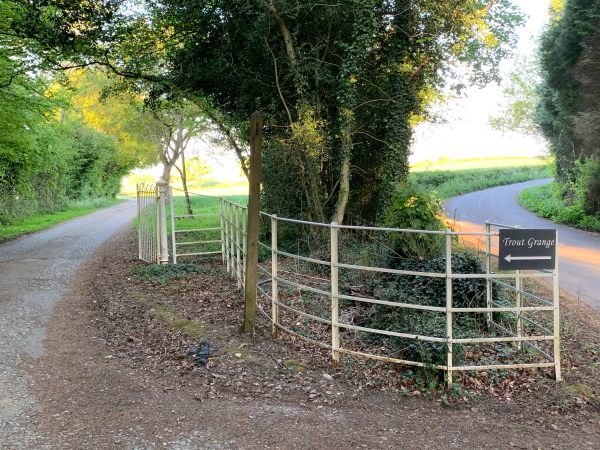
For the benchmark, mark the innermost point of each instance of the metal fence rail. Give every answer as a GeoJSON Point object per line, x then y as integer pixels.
{"type": "Point", "coordinates": [195, 234]}
{"type": "Point", "coordinates": [521, 330]}
{"type": "Point", "coordinates": [234, 222]}
{"type": "Point", "coordinates": [314, 294]}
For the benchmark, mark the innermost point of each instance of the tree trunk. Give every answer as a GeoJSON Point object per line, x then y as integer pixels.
{"type": "Point", "coordinates": [342, 201]}
{"type": "Point", "coordinates": [183, 174]}
{"type": "Point", "coordinates": [167, 166]}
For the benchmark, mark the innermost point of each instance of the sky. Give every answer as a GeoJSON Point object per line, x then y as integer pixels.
{"type": "Point", "coordinates": [466, 132]}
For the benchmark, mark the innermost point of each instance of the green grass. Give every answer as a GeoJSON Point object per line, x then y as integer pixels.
{"type": "Point", "coordinates": [445, 163]}
{"type": "Point", "coordinates": [164, 273]}
{"type": "Point", "coordinates": [547, 201]}
{"type": "Point", "coordinates": [200, 205]}
{"type": "Point", "coordinates": [457, 181]}
{"type": "Point", "coordinates": [43, 221]}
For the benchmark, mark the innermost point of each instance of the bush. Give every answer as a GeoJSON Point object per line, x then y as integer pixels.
{"type": "Point", "coordinates": [571, 204]}
{"type": "Point", "coordinates": [588, 186]}
{"type": "Point", "coordinates": [163, 273]}
{"type": "Point", "coordinates": [426, 291]}
{"type": "Point", "coordinates": [416, 209]}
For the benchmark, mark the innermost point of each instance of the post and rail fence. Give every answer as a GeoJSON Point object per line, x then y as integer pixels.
{"type": "Point", "coordinates": [504, 321]}
{"type": "Point", "coordinates": [514, 313]}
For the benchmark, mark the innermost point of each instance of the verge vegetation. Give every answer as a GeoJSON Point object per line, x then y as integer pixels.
{"type": "Point", "coordinates": [42, 221]}
{"type": "Point", "coordinates": [549, 202]}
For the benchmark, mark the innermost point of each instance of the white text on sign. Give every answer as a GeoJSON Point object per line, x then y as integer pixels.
{"type": "Point", "coordinates": [529, 243]}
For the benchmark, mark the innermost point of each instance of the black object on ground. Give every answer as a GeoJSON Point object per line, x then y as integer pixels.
{"type": "Point", "coordinates": [201, 353]}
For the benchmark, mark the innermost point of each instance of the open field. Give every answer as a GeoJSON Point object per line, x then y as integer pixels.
{"type": "Point", "coordinates": [478, 163]}
{"type": "Point", "coordinates": [451, 178]}
{"type": "Point", "coordinates": [211, 188]}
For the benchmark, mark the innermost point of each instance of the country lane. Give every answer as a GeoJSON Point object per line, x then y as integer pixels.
{"type": "Point", "coordinates": [34, 272]}
{"type": "Point", "coordinates": [579, 251]}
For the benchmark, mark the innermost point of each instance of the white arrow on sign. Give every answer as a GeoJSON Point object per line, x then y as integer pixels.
{"type": "Point", "coordinates": [526, 258]}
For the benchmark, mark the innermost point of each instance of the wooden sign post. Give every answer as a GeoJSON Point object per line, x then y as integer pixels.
{"type": "Point", "coordinates": [256, 126]}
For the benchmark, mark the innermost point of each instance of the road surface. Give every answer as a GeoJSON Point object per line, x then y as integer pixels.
{"type": "Point", "coordinates": [579, 251]}
{"type": "Point", "coordinates": [34, 272]}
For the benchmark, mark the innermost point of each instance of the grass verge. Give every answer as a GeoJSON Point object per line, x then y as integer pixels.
{"type": "Point", "coordinates": [42, 221]}
{"type": "Point", "coordinates": [450, 183]}
{"type": "Point", "coordinates": [546, 201]}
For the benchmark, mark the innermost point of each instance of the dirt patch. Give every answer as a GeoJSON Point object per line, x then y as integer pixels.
{"type": "Point", "coordinates": [119, 372]}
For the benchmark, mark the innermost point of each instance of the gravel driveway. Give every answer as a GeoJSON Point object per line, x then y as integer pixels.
{"type": "Point", "coordinates": [34, 271]}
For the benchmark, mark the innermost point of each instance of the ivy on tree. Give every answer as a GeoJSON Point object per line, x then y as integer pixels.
{"type": "Point", "coordinates": [340, 85]}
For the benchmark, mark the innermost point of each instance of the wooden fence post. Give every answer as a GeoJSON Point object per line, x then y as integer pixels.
{"type": "Point", "coordinates": [256, 125]}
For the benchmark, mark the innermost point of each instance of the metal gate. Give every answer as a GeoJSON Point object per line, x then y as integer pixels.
{"type": "Point", "coordinates": [148, 221]}
{"type": "Point", "coordinates": [196, 234]}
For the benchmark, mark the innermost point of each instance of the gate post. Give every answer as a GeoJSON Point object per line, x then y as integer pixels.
{"type": "Point", "coordinates": [162, 222]}
{"type": "Point", "coordinates": [173, 237]}
{"type": "Point", "coordinates": [334, 279]}
{"type": "Point", "coordinates": [449, 361]}
{"type": "Point", "coordinates": [256, 125]}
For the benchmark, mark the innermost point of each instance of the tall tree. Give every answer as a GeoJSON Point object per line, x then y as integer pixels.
{"type": "Point", "coordinates": [173, 126]}
{"type": "Point", "coordinates": [339, 84]}
{"type": "Point", "coordinates": [46, 159]}
{"type": "Point", "coordinates": [568, 112]}
{"type": "Point", "coordinates": [101, 103]}
{"type": "Point", "coordinates": [521, 95]}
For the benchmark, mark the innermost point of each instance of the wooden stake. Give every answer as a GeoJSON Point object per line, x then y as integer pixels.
{"type": "Point", "coordinates": [256, 125]}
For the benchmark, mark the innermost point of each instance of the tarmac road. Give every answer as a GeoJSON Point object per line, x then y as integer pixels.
{"type": "Point", "coordinates": [579, 251]}
{"type": "Point", "coordinates": [34, 272]}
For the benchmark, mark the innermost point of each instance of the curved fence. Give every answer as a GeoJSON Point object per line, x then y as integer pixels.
{"type": "Point", "coordinates": [446, 317]}
{"type": "Point", "coordinates": [351, 289]}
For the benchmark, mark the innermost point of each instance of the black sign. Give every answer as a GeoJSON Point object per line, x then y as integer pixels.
{"type": "Point", "coordinates": [527, 249]}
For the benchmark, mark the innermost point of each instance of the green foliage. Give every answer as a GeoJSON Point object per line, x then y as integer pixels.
{"type": "Point", "coordinates": [58, 163]}
{"type": "Point", "coordinates": [427, 291]}
{"type": "Point", "coordinates": [414, 208]}
{"type": "Point", "coordinates": [340, 84]}
{"type": "Point", "coordinates": [163, 273]}
{"type": "Point", "coordinates": [521, 97]}
{"type": "Point", "coordinates": [549, 201]}
{"type": "Point", "coordinates": [49, 157]}
{"type": "Point", "coordinates": [567, 112]}
{"type": "Point", "coordinates": [449, 183]}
